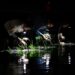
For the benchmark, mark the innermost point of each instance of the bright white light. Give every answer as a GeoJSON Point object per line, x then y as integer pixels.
{"type": "Point", "coordinates": [24, 32]}
{"type": "Point", "coordinates": [25, 61]}
{"type": "Point", "coordinates": [46, 57]}
{"type": "Point", "coordinates": [25, 38]}
{"type": "Point", "coordinates": [47, 62]}
{"type": "Point", "coordinates": [24, 67]}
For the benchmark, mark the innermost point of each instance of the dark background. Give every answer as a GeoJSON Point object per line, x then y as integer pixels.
{"type": "Point", "coordinates": [60, 10]}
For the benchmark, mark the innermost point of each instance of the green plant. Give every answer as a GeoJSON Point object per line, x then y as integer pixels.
{"type": "Point", "coordinates": [33, 53]}
{"type": "Point", "coordinates": [19, 51]}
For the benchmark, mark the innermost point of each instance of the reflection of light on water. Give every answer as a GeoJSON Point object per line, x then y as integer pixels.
{"type": "Point", "coordinates": [46, 57]}
{"type": "Point", "coordinates": [69, 59]}
{"type": "Point", "coordinates": [24, 62]}
{"type": "Point", "coordinates": [24, 67]}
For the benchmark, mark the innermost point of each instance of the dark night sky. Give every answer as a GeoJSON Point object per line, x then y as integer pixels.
{"type": "Point", "coordinates": [58, 9]}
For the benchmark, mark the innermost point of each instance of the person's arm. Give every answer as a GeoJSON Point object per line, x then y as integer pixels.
{"type": "Point", "coordinates": [61, 39]}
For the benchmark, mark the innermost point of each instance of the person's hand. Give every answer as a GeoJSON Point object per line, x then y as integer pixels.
{"type": "Point", "coordinates": [22, 41]}
{"type": "Point", "coordinates": [63, 37]}
{"type": "Point", "coordinates": [47, 37]}
{"type": "Point", "coordinates": [62, 43]}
